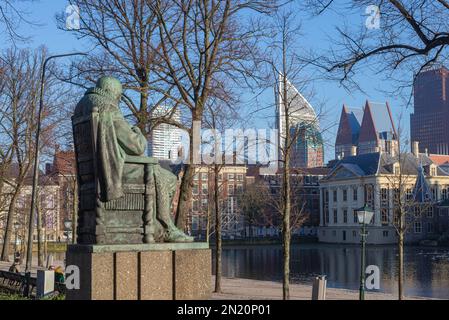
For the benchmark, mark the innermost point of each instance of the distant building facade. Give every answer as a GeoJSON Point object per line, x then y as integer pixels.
{"type": "Point", "coordinates": [165, 140]}
{"type": "Point", "coordinates": [428, 122]}
{"type": "Point", "coordinates": [366, 130]}
{"type": "Point", "coordinates": [369, 179]}
{"type": "Point", "coordinates": [232, 180]}
{"type": "Point", "coordinates": [305, 183]}
{"type": "Point", "coordinates": [308, 150]}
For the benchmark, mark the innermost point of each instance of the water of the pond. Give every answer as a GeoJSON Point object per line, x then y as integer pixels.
{"type": "Point", "coordinates": [426, 268]}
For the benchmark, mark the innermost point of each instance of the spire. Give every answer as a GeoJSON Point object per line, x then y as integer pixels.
{"type": "Point", "coordinates": [421, 191]}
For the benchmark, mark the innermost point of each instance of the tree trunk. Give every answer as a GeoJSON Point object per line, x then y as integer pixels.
{"type": "Point", "coordinates": [286, 198]}
{"type": "Point", "coordinates": [401, 266]}
{"type": "Point", "coordinates": [40, 245]}
{"type": "Point", "coordinates": [75, 212]}
{"type": "Point", "coordinates": [184, 197]}
{"type": "Point", "coordinates": [9, 225]}
{"type": "Point", "coordinates": [218, 266]}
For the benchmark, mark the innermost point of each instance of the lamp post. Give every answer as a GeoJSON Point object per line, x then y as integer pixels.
{"type": "Point", "coordinates": [364, 216]}
{"type": "Point", "coordinates": [16, 229]}
{"type": "Point", "coordinates": [68, 228]}
{"type": "Point", "coordinates": [36, 163]}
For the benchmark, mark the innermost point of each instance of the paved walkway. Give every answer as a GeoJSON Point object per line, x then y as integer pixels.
{"type": "Point", "coordinates": [246, 289]}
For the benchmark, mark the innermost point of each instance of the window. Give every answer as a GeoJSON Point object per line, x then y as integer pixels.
{"type": "Point", "coordinates": [354, 194]}
{"type": "Point", "coordinates": [335, 216]}
{"type": "Point", "coordinates": [195, 177]}
{"type": "Point", "coordinates": [444, 194]}
{"type": "Point", "coordinates": [327, 216]}
{"type": "Point", "coordinates": [239, 189]}
{"type": "Point", "coordinates": [409, 194]}
{"type": "Point", "coordinates": [345, 195]}
{"type": "Point", "coordinates": [384, 194]}
{"type": "Point", "coordinates": [335, 195]}
{"type": "Point", "coordinates": [385, 233]}
{"type": "Point", "coordinates": [433, 171]}
{"type": "Point", "coordinates": [240, 177]}
{"type": "Point", "coordinates": [384, 213]}
{"type": "Point", "coordinates": [434, 194]}
{"type": "Point", "coordinates": [345, 216]}
{"type": "Point", "coordinates": [417, 227]}
{"type": "Point", "coordinates": [354, 233]}
{"type": "Point", "coordinates": [195, 189]}
{"type": "Point", "coordinates": [430, 212]}
{"type": "Point", "coordinates": [195, 223]}
{"type": "Point", "coordinates": [417, 211]}
{"type": "Point", "coordinates": [429, 227]}
{"type": "Point", "coordinates": [204, 205]}
{"type": "Point", "coordinates": [195, 205]}
{"type": "Point", "coordinates": [204, 188]}
{"type": "Point", "coordinates": [230, 189]}
{"type": "Point", "coordinates": [230, 176]}
{"type": "Point", "coordinates": [354, 215]}
{"type": "Point", "coordinates": [204, 177]}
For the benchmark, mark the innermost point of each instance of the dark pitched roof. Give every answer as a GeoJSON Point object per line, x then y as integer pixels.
{"type": "Point", "coordinates": [377, 122]}
{"type": "Point", "coordinates": [382, 163]}
{"type": "Point", "coordinates": [421, 190]}
{"type": "Point", "coordinates": [349, 127]}
{"type": "Point", "coordinates": [364, 164]}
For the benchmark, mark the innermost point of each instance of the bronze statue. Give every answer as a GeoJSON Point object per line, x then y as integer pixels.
{"type": "Point", "coordinates": [117, 142]}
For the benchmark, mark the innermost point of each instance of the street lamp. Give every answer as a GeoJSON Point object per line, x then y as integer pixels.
{"type": "Point", "coordinates": [68, 228]}
{"type": "Point", "coordinates": [16, 229]}
{"type": "Point", "coordinates": [36, 164]}
{"type": "Point", "coordinates": [364, 216]}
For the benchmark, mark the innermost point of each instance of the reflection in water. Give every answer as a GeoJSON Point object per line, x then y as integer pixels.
{"type": "Point", "coordinates": [426, 269]}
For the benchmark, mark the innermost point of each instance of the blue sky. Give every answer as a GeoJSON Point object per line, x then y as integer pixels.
{"type": "Point", "coordinates": [315, 34]}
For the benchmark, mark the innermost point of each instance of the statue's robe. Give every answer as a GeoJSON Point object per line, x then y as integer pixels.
{"type": "Point", "coordinates": [115, 139]}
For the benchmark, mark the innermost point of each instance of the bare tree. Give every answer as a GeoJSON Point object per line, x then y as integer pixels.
{"type": "Point", "coordinates": [176, 53]}
{"type": "Point", "coordinates": [407, 205]}
{"type": "Point", "coordinates": [20, 97]}
{"type": "Point", "coordinates": [253, 204]}
{"type": "Point", "coordinates": [397, 36]}
{"type": "Point", "coordinates": [11, 17]}
{"type": "Point", "coordinates": [287, 66]}
{"type": "Point", "coordinates": [207, 49]}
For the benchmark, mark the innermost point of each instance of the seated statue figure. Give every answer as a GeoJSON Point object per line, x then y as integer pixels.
{"type": "Point", "coordinates": [117, 139]}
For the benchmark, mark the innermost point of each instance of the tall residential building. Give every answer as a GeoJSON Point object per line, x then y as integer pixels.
{"type": "Point", "coordinates": [366, 130]}
{"type": "Point", "coordinates": [165, 140]}
{"type": "Point", "coordinates": [428, 123]}
{"type": "Point", "coordinates": [308, 150]}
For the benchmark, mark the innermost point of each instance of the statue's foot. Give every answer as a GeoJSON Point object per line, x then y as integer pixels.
{"type": "Point", "coordinates": [176, 235]}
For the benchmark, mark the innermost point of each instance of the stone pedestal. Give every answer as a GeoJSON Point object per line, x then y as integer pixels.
{"type": "Point", "coordinates": [162, 271]}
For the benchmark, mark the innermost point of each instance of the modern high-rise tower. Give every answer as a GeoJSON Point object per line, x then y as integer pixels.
{"type": "Point", "coordinates": [165, 140]}
{"type": "Point", "coordinates": [429, 122]}
{"type": "Point", "coordinates": [307, 150]}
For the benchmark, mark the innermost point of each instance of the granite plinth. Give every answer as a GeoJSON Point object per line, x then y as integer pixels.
{"type": "Point", "coordinates": [165, 271]}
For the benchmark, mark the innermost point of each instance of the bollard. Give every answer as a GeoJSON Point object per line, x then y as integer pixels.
{"type": "Point", "coordinates": [319, 288]}
{"type": "Point", "coordinates": [45, 283]}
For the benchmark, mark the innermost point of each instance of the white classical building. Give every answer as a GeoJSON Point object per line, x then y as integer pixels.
{"type": "Point", "coordinates": [165, 140]}
{"type": "Point", "coordinates": [371, 179]}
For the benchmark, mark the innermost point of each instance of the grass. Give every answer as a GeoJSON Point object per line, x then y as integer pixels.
{"type": "Point", "coordinates": [8, 296]}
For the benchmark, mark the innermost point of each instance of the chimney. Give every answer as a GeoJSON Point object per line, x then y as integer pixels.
{"type": "Point", "coordinates": [415, 148]}
{"type": "Point", "coordinates": [426, 151]}
{"type": "Point", "coordinates": [353, 150]}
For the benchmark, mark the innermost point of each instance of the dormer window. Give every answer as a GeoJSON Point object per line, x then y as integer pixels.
{"type": "Point", "coordinates": [433, 170]}
{"type": "Point", "coordinates": [396, 168]}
